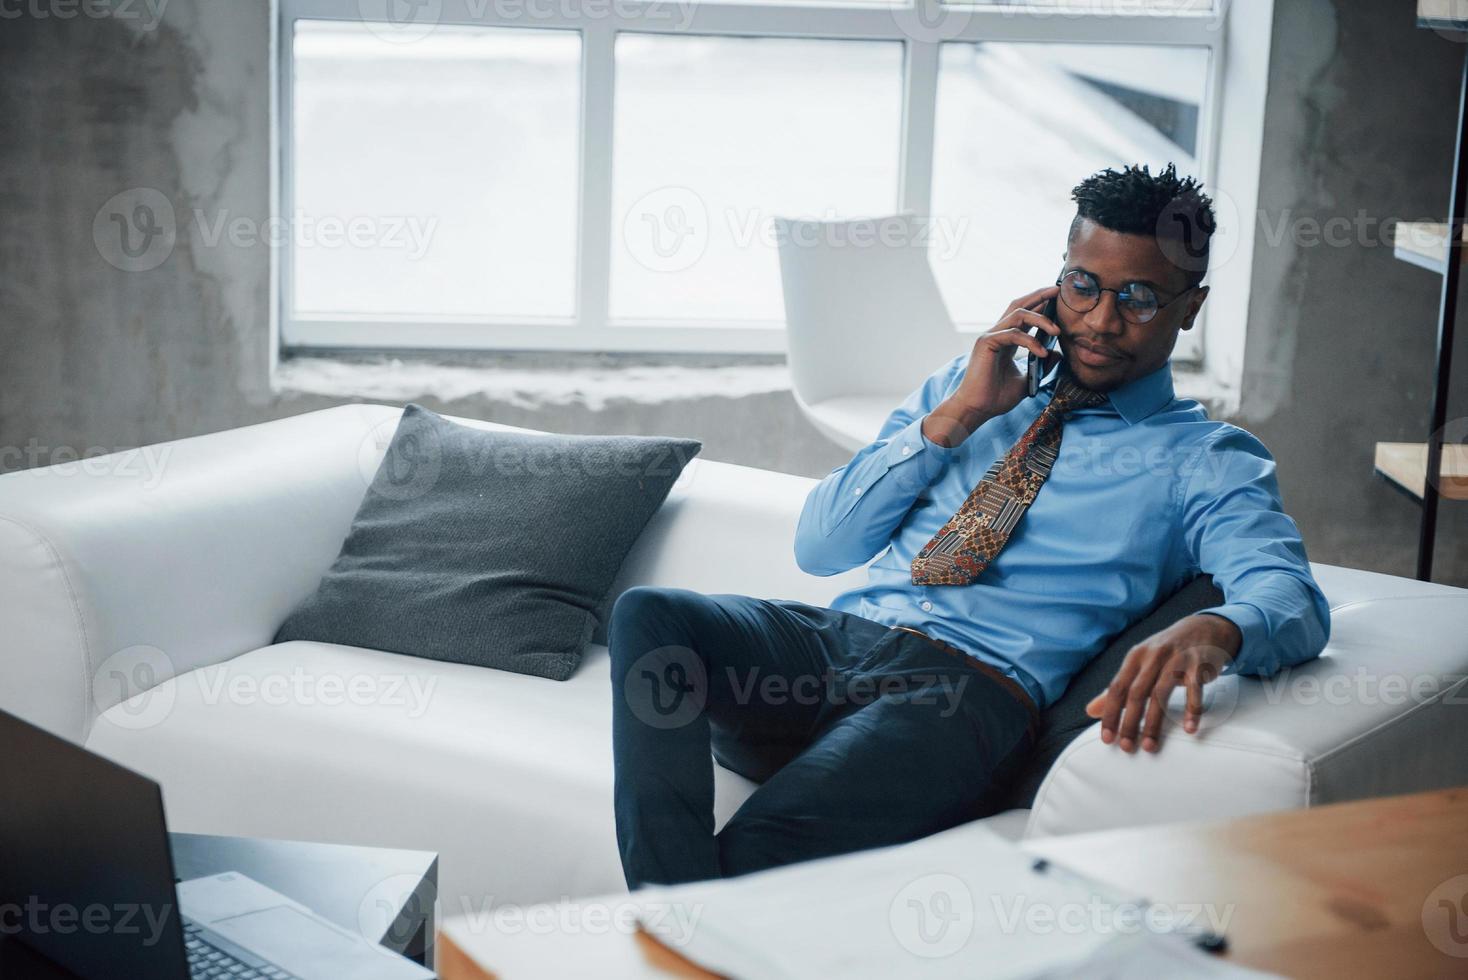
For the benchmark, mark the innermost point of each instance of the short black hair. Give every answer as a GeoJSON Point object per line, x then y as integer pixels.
{"type": "Point", "coordinates": [1133, 201]}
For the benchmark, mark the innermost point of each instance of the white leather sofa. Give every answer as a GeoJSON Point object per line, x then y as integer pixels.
{"type": "Point", "coordinates": [164, 573]}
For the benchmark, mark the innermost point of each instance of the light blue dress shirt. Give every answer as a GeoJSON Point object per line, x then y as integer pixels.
{"type": "Point", "coordinates": [1147, 493]}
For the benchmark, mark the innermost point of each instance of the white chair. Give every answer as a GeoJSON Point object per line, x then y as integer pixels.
{"type": "Point", "coordinates": [864, 320]}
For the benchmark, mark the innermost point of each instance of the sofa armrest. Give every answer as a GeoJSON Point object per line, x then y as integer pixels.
{"type": "Point", "coordinates": [121, 571]}
{"type": "Point", "coordinates": [1384, 710]}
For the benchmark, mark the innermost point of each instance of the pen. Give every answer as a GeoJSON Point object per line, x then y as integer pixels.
{"type": "Point", "coordinates": [1205, 939]}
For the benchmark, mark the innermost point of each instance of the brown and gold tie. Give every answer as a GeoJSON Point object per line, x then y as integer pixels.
{"type": "Point", "coordinates": [965, 546]}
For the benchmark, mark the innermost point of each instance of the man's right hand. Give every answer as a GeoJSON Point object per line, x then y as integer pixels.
{"type": "Point", "coordinates": [993, 383]}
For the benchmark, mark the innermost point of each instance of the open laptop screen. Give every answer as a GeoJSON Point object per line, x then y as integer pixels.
{"type": "Point", "coordinates": [86, 875]}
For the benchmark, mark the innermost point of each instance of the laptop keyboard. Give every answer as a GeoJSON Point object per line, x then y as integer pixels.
{"type": "Point", "coordinates": [208, 962]}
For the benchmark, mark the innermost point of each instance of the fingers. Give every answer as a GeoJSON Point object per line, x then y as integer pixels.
{"type": "Point", "coordinates": [1024, 319]}
{"type": "Point", "coordinates": [1013, 338]}
{"type": "Point", "coordinates": [1115, 696]}
{"type": "Point", "coordinates": [1031, 318]}
{"type": "Point", "coordinates": [1197, 677]}
{"type": "Point", "coordinates": [1031, 299]}
{"type": "Point", "coordinates": [1172, 675]}
{"type": "Point", "coordinates": [1133, 709]}
{"type": "Point", "coordinates": [1137, 697]}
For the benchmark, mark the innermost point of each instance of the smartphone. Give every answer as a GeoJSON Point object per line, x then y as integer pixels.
{"type": "Point", "coordinates": [1035, 367]}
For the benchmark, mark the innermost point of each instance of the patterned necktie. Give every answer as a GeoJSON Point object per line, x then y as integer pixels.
{"type": "Point", "coordinates": [965, 546]}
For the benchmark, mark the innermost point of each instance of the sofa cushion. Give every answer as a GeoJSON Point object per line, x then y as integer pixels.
{"type": "Point", "coordinates": [490, 548]}
{"type": "Point", "coordinates": [1066, 718]}
{"type": "Point", "coordinates": [508, 777]}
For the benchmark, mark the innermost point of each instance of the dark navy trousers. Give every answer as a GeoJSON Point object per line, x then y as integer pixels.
{"type": "Point", "coordinates": [859, 735]}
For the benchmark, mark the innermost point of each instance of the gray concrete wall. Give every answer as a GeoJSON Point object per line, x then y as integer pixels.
{"type": "Point", "coordinates": [1360, 119]}
{"type": "Point", "coordinates": [1360, 123]}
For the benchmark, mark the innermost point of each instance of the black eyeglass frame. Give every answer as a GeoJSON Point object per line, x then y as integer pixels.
{"type": "Point", "coordinates": [1120, 308]}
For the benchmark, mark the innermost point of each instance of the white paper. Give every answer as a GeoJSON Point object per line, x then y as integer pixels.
{"type": "Point", "coordinates": [962, 904]}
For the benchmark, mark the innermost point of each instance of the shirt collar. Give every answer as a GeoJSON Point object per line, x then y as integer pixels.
{"type": "Point", "coordinates": [1135, 400]}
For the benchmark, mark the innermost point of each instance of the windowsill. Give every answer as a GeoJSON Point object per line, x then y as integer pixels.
{"type": "Point", "coordinates": [531, 380]}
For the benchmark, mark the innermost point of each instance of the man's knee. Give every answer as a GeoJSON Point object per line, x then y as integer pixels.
{"type": "Point", "coordinates": [648, 614]}
{"type": "Point", "coordinates": [643, 605]}
{"type": "Point", "coordinates": [642, 601]}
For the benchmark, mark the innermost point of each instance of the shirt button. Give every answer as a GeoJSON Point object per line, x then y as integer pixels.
{"type": "Point", "coordinates": [926, 606]}
{"type": "Point", "coordinates": [857, 491]}
{"type": "Point", "coordinates": [907, 450]}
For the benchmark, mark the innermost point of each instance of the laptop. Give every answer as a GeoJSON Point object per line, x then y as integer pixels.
{"type": "Point", "coordinates": [86, 879]}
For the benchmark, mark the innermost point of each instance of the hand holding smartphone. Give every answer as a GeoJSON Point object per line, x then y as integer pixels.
{"type": "Point", "coordinates": [996, 381]}
{"type": "Point", "coordinates": [1036, 367]}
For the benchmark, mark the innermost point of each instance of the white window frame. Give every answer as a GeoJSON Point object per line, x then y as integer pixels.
{"type": "Point", "coordinates": [1236, 33]}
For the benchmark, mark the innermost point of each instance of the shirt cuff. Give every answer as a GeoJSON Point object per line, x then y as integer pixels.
{"type": "Point", "coordinates": [1252, 627]}
{"type": "Point", "coordinates": [911, 442]}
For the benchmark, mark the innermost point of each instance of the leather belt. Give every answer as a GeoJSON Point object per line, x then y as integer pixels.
{"type": "Point", "coordinates": [1009, 684]}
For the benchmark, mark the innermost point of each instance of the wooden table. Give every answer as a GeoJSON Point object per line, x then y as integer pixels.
{"type": "Point", "coordinates": [1336, 891]}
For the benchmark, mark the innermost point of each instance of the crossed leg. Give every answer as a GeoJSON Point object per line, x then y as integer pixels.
{"type": "Point", "coordinates": [867, 736]}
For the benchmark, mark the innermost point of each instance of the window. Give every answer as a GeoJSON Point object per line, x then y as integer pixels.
{"type": "Point", "coordinates": [602, 174]}
{"type": "Point", "coordinates": [712, 137]}
{"type": "Point", "coordinates": [1051, 113]}
{"type": "Point", "coordinates": [455, 156]}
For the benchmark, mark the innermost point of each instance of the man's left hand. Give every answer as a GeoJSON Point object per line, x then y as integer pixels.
{"type": "Point", "coordinates": [1189, 653]}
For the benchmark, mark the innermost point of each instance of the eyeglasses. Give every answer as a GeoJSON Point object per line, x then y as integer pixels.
{"type": "Point", "coordinates": [1136, 301]}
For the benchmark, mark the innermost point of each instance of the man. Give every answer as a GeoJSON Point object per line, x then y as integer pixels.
{"type": "Point", "coordinates": [1006, 558]}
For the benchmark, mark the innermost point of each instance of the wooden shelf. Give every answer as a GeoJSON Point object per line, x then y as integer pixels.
{"type": "Point", "coordinates": [1405, 464]}
{"type": "Point", "coordinates": [1425, 244]}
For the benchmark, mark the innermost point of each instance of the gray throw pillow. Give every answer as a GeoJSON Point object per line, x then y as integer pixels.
{"type": "Point", "coordinates": [1066, 718]}
{"type": "Point", "coordinates": [489, 548]}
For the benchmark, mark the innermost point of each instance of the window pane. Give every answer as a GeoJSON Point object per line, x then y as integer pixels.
{"type": "Point", "coordinates": [811, 3]}
{"type": "Point", "coordinates": [1019, 125]}
{"type": "Point", "coordinates": [1106, 6]}
{"type": "Point", "coordinates": [456, 156]}
{"type": "Point", "coordinates": [714, 137]}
